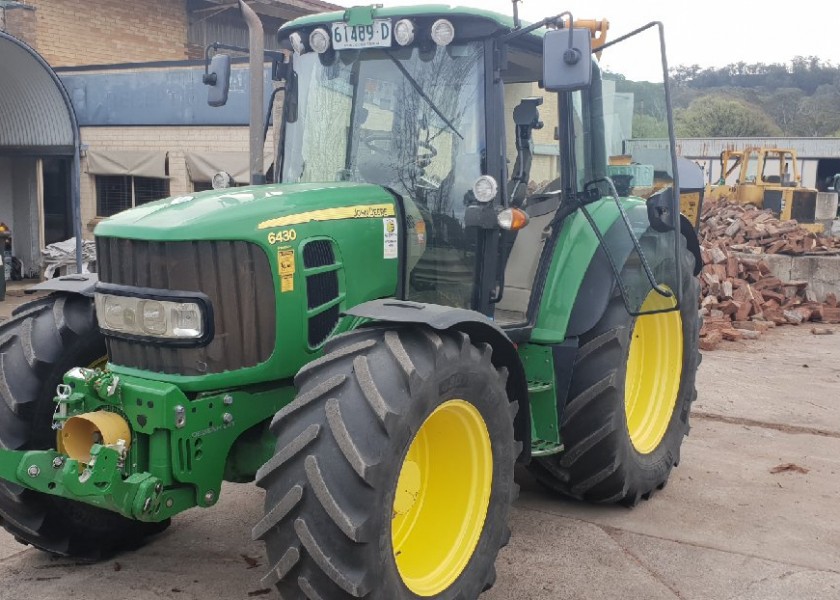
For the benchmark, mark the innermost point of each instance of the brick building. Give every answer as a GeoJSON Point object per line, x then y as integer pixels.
{"type": "Point", "coordinates": [133, 72]}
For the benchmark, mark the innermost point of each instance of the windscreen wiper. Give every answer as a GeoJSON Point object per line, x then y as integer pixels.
{"type": "Point", "coordinates": [423, 95]}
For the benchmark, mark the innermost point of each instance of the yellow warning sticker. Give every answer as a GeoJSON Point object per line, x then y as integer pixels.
{"type": "Point", "coordinates": [286, 260]}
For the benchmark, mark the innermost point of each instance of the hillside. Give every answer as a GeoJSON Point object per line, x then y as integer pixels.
{"type": "Point", "coordinates": [801, 98]}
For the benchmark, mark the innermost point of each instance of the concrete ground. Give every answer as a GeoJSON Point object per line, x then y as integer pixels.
{"type": "Point", "coordinates": [724, 528]}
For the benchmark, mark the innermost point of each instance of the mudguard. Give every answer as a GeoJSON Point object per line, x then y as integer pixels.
{"type": "Point", "coordinates": [579, 280]}
{"type": "Point", "coordinates": [84, 284]}
{"type": "Point", "coordinates": [480, 329]}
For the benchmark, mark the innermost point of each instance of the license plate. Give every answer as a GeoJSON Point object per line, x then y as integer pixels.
{"type": "Point", "coordinates": [375, 35]}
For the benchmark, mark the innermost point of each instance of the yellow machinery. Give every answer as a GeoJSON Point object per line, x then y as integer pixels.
{"type": "Point", "coordinates": [647, 179]}
{"type": "Point", "coordinates": [767, 178]}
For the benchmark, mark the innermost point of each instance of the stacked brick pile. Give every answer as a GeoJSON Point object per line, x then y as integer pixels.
{"type": "Point", "coordinates": [740, 297]}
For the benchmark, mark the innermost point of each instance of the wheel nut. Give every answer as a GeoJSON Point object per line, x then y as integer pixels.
{"type": "Point", "coordinates": [33, 471]}
{"type": "Point", "coordinates": [58, 462]}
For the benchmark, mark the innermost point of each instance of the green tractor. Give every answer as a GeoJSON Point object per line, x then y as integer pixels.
{"type": "Point", "coordinates": [449, 276]}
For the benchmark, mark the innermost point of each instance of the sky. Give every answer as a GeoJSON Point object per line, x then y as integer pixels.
{"type": "Point", "coordinates": [710, 34]}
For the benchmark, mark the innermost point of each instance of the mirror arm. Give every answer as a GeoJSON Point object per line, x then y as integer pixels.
{"type": "Point", "coordinates": [210, 79]}
{"type": "Point", "coordinates": [556, 21]}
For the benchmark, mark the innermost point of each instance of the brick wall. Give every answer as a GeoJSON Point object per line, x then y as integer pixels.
{"type": "Point", "coordinates": [72, 33]}
{"type": "Point", "coordinates": [174, 140]}
{"type": "Point", "coordinates": [21, 22]}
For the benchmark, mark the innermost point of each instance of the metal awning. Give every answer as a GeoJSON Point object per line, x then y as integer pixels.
{"type": "Point", "coordinates": [286, 10]}
{"type": "Point", "coordinates": [138, 163]}
{"type": "Point", "coordinates": [36, 116]}
{"type": "Point", "coordinates": [34, 112]}
{"type": "Point", "coordinates": [203, 165]}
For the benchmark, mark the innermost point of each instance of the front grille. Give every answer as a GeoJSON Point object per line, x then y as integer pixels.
{"type": "Point", "coordinates": [773, 201]}
{"type": "Point", "coordinates": [318, 253]}
{"type": "Point", "coordinates": [236, 276]}
{"type": "Point", "coordinates": [804, 207]}
{"type": "Point", "coordinates": [322, 325]}
{"type": "Point", "coordinates": [322, 289]}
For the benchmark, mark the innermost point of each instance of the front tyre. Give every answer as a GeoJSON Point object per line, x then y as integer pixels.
{"type": "Point", "coordinates": [38, 345]}
{"type": "Point", "coordinates": [393, 474]}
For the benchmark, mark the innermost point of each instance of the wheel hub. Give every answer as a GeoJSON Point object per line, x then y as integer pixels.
{"type": "Point", "coordinates": [441, 498]}
{"type": "Point", "coordinates": [654, 372]}
{"type": "Point", "coordinates": [408, 486]}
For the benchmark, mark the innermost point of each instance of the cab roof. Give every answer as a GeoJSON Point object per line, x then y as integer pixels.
{"type": "Point", "coordinates": [502, 22]}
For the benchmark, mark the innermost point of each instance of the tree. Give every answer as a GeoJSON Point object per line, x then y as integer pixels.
{"type": "Point", "coordinates": [647, 127]}
{"type": "Point", "coordinates": [819, 114]}
{"type": "Point", "coordinates": [715, 116]}
{"type": "Point", "coordinates": [783, 106]}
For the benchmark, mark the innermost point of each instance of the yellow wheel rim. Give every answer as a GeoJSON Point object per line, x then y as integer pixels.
{"type": "Point", "coordinates": [442, 497]}
{"type": "Point", "coordinates": [654, 370]}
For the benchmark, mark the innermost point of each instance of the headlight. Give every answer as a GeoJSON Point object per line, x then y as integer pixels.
{"type": "Point", "coordinates": [173, 319]}
{"type": "Point", "coordinates": [485, 188]}
{"type": "Point", "coordinates": [319, 40]}
{"type": "Point", "coordinates": [404, 32]}
{"type": "Point", "coordinates": [443, 32]}
{"type": "Point", "coordinates": [296, 41]}
{"type": "Point", "coordinates": [222, 180]}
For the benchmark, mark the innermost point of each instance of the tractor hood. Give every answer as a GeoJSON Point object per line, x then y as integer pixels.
{"type": "Point", "coordinates": [239, 213]}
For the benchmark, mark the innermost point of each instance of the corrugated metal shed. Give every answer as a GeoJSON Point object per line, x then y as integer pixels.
{"type": "Point", "coordinates": [819, 158]}
{"type": "Point", "coordinates": [33, 111]}
{"type": "Point", "coordinates": [37, 117]}
{"type": "Point", "coordinates": [712, 147]}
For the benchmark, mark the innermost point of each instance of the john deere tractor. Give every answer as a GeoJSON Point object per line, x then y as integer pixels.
{"type": "Point", "coordinates": [444, 280]}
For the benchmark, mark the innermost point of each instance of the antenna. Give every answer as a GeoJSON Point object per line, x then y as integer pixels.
{"type": "Point", "coordinates": [516, 22]}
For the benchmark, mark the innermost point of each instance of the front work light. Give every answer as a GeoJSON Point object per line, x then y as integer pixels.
{"type": "Point", "coordinates": [297, 43]}
{"type": "Point", "coordinates": [485, 188]}
{"type": "Point", "coordinates": [145, 317]}
{"type": "Point", "coordinates": [222, 180]}
{"type": "Point", "coordinates": [319, 40]}
{"type": "Point", "coordinates": [443, 32]}
{"type": "Point", "coordinates": [404, 32]}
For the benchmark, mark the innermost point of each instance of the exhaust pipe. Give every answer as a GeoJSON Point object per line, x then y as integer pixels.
{"type": "Point", "coordinates": [81, 432]}
{"type": "Point", "coordinates": [256, 61]}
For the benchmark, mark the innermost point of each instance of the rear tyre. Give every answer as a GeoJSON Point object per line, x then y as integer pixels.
{"type": "Point", "coordinates": [632, 388]}
{"type": "Point", "coordinates": [43, 341]}
{"type": "Point", "coordinates": [393, 474]}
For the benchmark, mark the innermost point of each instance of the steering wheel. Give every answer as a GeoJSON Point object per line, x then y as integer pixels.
{"type": "Point", "coordinates": [372, 143]}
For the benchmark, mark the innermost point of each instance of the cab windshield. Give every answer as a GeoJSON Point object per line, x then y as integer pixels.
{"type": "Point", "coordinates": [410, 119]}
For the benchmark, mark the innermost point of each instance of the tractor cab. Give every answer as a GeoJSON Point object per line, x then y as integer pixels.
{"type": "Point", "coordinates": [490, 137]}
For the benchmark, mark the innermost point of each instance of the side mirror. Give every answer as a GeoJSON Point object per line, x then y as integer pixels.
{"type": "Point", "coordinates": [218, 79]}
{"type": "Point", "coordinates": [567, 61]}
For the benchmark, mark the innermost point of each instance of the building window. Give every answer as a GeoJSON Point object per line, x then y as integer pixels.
{"type": "Point", "coordinates": [204, 186]}
{"type": "Point", "coordinates": [116, 193]}
{"type": "Point", "coordinates": [147, 189]}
